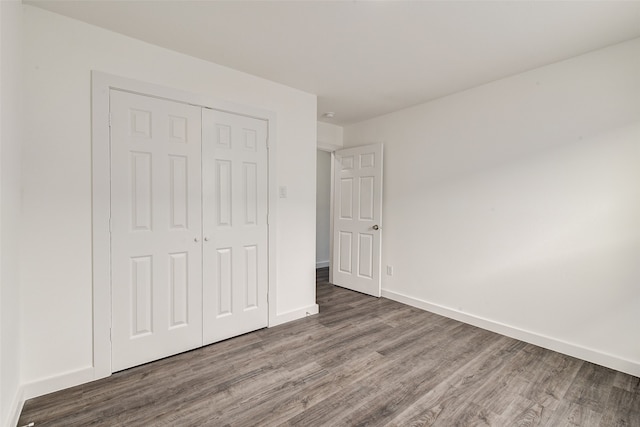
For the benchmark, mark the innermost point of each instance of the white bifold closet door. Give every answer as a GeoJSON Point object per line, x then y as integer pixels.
{"type": "Point", "coordinates": [188, 227]}
{"type": "Point", "coordinates": [156, 226]}
{"type": "Point", "coordinates": [234, 161]}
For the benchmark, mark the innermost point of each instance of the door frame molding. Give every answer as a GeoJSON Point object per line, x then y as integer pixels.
{"type": "Point", "coordinates": [101, 84]}
{"type": "Point", "coordinates": [331, 149]}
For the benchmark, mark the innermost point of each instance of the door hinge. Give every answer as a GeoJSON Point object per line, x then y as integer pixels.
{"type": "Point", "coordinates": [267, 142]}
{"type": "Point", "coordinates": [267, 219]}
{"type": "Point", "coordinates": [111, 334]}
{"type": "Point", "coordinates": [109, 119]}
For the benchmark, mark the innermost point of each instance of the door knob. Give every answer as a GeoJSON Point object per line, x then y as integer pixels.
{"type": "Point", "coordinates": [375, 227]}
{"type": "Point", "coordinates": [195, 239]}
{"type": "Point", "coordinates": [206, 239]}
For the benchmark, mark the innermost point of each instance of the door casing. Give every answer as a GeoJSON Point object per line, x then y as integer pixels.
{"type": "Point", "coordinates": [101, 84]}
{"type": "Point", "coordinates": [331, 149]}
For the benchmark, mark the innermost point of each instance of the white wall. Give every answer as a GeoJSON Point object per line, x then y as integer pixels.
{"type": "Point", "coordinates": [515, 205]}
{"type": "Point", "coordinates": [56, 262]}
{"type": "Point", "coordinates": [330, 135]}
{"type": "Point", "coordinates": [323, 208]}
{"type": "Point", "coordinates": [10, 138]}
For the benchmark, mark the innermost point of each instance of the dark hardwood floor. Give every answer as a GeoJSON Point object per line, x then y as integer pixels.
{"type": "Point", "coordinates": [361, 361]}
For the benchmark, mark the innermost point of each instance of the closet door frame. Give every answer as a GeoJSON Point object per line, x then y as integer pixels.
{"type": "Point", "coordinates": [101, 84]}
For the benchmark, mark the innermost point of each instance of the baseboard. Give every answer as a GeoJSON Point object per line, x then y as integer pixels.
{"type": "Point", "coordinates": [322, 264]}
{"type": "Point", "coordinates": [58, 382]}
{"type": "Point", "coordinates": [590, 355]}
{"type": "Point", "coordinates": [16, 408]}
{"type": "Point", "coordinates": [292, 315]}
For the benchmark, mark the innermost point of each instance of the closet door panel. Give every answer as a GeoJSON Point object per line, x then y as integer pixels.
{"type": "Point", "coordinates": [156, 225]}
{"type": "Point", "coordinates": [234, 160]}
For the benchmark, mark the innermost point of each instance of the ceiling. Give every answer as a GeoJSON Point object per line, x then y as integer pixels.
{"type": "Point", "coordinates": [363, 58]}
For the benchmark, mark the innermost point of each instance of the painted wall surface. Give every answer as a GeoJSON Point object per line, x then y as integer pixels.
{"type": "Point", "coordinates": [10, 138]}
{"type": "Point", "coordinates": [323, 207]}
{"type": "Point", "coordinates": [517, 202]}
{"type": "Point", "coordinates": [330, 134]}
{"type": "Point", "coordinates": [56, 263]}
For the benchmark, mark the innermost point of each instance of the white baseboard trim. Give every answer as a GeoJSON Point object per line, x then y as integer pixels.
{"type": "Point", "coordinates": [590, 355]}
{"type": "Point", "coordinates": [322, 264]}
{"type": "Point", "coordinates": [296, 314]}
{"type": "Point", "coordinates": [16, 408]}
{"type": "Point", "coordinates": [58, 382]}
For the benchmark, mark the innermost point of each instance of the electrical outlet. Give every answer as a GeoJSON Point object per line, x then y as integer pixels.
{"type": "Point", "coordinates": [389, 270]}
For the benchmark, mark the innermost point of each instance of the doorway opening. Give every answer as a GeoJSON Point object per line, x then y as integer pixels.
{"type": "Point", "coordinates": [323, 215]}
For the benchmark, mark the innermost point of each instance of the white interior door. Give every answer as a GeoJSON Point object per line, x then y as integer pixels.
{"type": "Point", "coordinates": [156, 226]}
{"type": "Point", "coordinates": [357, 218]}
{"type": "Point", "coordinates": [234, 159]}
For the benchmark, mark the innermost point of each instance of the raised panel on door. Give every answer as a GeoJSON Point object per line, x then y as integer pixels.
{"type": "Point", "coordinates": [357, 218]}
{"type": "Point", "coordinates": [178, 193]}
{"type": "Point", "coordinates": [178, 289]}
{"type": "Point", "coordinates": [223, 295]}
{"type": "Point", "coordinates": [234, 159]}
{"type": "Point", "coordinates": [345, 249]}
{"type": "Point", "coordinates": [156, 263]}
{"type": "Point", "coordinates": [141, 286]}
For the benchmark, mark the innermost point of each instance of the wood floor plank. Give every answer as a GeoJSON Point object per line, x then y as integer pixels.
{"type": "Point", "coordinates": [628, 383]}
{"type": "Point", "coordinates": [623, 400]}
{"type": "Point", "coordinates": [522, 412]}
{"type": "Point", "coordinates": [443, 370]}
{"type": "Point", "coordinates": [553, 380]}
{"type": "Point", "coordinates": [361, 361]}
{"type": "Point", "coordinates": [443, 402]}
{"type": "Point", "coordinates": [245, 396]}
{"type": "Point", "coordinates": [617, 418]}
{"type": "Point", "coordinates": [571, 414]}
{"type": "Point", "coordinates": [591, 387]}
{"type": "Point", "coordinates": [277, 411]}
{"type": "Point", "coordinates": [413, 372]}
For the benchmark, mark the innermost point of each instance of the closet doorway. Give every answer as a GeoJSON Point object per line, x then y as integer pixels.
{"type": "Point", "coordinates": [185, 259]}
